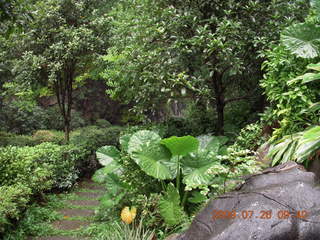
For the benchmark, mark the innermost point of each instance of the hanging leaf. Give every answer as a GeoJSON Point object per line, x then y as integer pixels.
{"type": "Point", "coordinates": [169, 206]}
{"type": "Point", "coordinates": [302, 39]}
{"type": "Point", "coordinates": [107, 154]}
{"type": "Point", "coordinates": [153, 158]}
{"type": "Point", "coordinates": [314, 66]}
{"type": "Point", "coordinates": [181, 146]}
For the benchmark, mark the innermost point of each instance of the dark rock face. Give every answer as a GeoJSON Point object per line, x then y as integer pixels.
{"type": "Point", "coordinates": [282, 203]}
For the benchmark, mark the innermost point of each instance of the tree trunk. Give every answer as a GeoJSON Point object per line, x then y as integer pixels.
{"type": "Point", "coordinates": [66, 131]}
{"type": "Point", "coordinates": [63, 88]}
{"type": "Point", "coordinates": [218, 90]}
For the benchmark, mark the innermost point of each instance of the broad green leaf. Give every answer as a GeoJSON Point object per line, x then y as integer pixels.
{"type": "Point", "coordinates": [124, 141]}
{"type": "Point", "coordinates": [310, 77]}
{"type": "Point", "coordinates": [114, 185]}
{"type": "Point", "coordinates": [107, 154]}
{"type": "Point", "coordinates": [209, 143]}
{"type": "Point", "coordinates": [198, 159]}
{"type": "Point", "coordinates": [101, 174]}
{"type": "Point", "coordinates": [314, 66]}
{"type": "Point", "coordinates": [306, 149]}
{"type": "Point", "coordinates": [169, 206]}
{"type": "Point", "coordinates": [110, 201]}
{"type": "Point", "coordinates": [181, 145]}
{"type": "Point", "coordinates": [153, 158]}
{"type": "Point", "coordinates": [197, 197]}
{"type": "Point", "coordinates": [312, 134]}
{"type": "Point", "coordinates": [278, 150]}
{"type": "Point", "coordinates": [302, 39]}
{"type": "Point", "coordinates": [202, 176]}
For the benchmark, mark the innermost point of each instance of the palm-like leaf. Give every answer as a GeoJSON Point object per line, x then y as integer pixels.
{"type": "Point", "coordinates": [302, 39]}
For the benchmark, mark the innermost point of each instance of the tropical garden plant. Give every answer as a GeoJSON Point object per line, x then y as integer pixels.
{"type": "Point", "coordinates": [185, 168]}
{"type": "Point", "coordinates": [302, 40]}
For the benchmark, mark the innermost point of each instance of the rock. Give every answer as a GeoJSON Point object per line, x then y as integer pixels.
{"type": "Point", "coordinates": [282, 203]}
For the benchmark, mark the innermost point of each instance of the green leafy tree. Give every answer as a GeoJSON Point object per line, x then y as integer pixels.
{"type": "Point", "coordinates": [204, 50]}
{"type": "Point", "coordinates": [54, 50]}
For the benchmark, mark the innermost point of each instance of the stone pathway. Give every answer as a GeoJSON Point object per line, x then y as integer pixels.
{"type": "Point", "coordinates": [77, 213]}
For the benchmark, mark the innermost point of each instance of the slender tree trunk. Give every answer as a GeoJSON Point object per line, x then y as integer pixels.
{"type": "Point", "coordinates": [218, 89]}
{"type": "Point", "coordinates": [63, 88]}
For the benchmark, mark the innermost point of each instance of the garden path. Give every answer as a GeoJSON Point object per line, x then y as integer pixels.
{"type": "Point", "coordinates": [76, 213]}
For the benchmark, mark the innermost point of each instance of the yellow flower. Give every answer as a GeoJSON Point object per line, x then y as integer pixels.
{"type": "Point", "coordinates": [128, 215]}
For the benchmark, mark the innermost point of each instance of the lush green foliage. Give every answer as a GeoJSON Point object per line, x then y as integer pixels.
{"type": "Point", "coordinates": [168, 50]}
{"type": "Point", "coordinates": [251, 137]}
{"type": "Point", "coordinates": [299, 147]}
{"type": "Point", "coordinates": [300, 109]}
{"type": "Point", "coordinates": [196, 165]}
{"type": "Point", "coordinates": [29, 171]}
{"type": "Point", "coordinates": [56, 48]}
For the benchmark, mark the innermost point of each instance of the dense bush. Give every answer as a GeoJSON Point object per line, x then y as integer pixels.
{"type": "Point", "coordinates": [88, 140]}
{"type": "Point", "coordinates": [288, 102]}
{"type": "Point", "coordinates": [42, 136]}
{"type": "Point", "coordinates": [15, 119]}
{"type": "Point", "coordinates": [41, 167]}
{"type": "Point", "coordinates": [30, 171]}
{"type": "Point", "coordinates": [7, 139]}
{"type": "Point", "coordinates": [251, 137]}
{"type": "Point", "coordinates": [13, 200]}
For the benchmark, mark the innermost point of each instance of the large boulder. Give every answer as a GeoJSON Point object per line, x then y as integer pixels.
{"type": "Point", "coordinates": [281, 203]}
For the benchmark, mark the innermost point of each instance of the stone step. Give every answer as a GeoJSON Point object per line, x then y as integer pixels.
{"type": "Point", "coordinates": [76, 212]}
{"type": "Point", "coordinates": [90, 194]}
{"type": "Point", "coordinates": [84, 202]}
{"type": "Point", "coordinates": [69, 224]}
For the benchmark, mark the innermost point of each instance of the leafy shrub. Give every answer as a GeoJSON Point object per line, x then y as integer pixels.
{"type": "Point", "coordinates": [88, 140]}
{"type": "Point", "coordinates": [102, 123]}
{"type": "Point", "coordinates": [41, 167]}
{"type": "Point", "coordinates": [20, 120]}
{"type": "Point", "coordinates": [55, 120]}
{"type": "Point", "coordinates": [7, 139]}
{"type": "Point", "coordinates": [13, 200]}
{"type": "Point", "coordinates": [178, 126]}
{"type": "Point", "coordinates": [42, 136]}
{"type": "Point", "coordinates": [251, 137]}
{"type": "Point", "coordinates": [288, 102]}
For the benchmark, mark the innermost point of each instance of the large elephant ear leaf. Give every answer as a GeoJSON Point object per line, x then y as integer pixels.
{"type": "Point", "coordinates": [154, 159]}
{"type": "Point", "coordinates": [169, 206]}
{"type": "Point", "coordinates": [302, 39]}
{"type": "Point", "coordinates": [124, 141]}
{"type": "Point", "coordinates": [181, 145]}
{"type": "Point", "coordinates": [197, 177]}
{"type": "Point", "coordinates": [107, 154]}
